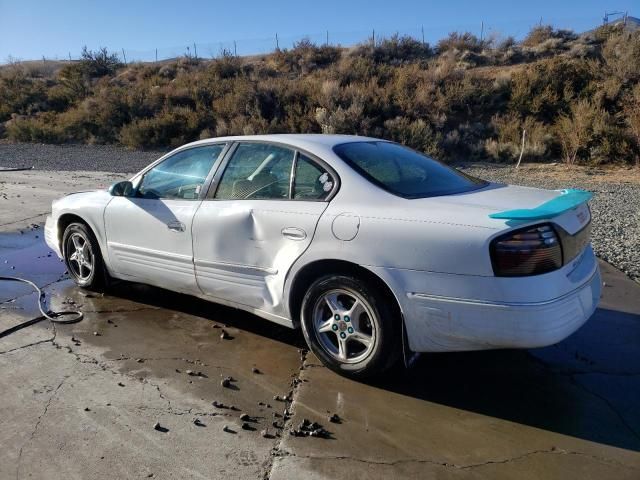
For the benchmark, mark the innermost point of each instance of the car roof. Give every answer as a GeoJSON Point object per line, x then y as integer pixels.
{"type": "Point", "coordinates": [310, 141]}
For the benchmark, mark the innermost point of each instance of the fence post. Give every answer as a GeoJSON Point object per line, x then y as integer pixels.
{"type": "Point", "coordinates": [327, 38]}
{"type": "Point", "coordinates": [277, 43]}
{"type": "Point", "coordinates": [195, 51]}
{"type": "Point", "coordinates": [235, 50]}
{"type": "Point", "coordinates": [156, 55]}
{"type": "Point", "coordinates": [524, 132]}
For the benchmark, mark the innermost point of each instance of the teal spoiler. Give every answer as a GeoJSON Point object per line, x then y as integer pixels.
{"type": "Point", "coordinates": [567, 200]}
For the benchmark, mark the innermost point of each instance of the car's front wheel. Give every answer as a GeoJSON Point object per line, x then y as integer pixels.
{"type": "Point", "coordinates": [350, 326]}
{"type": "Point", "coordinates": [82, 256]}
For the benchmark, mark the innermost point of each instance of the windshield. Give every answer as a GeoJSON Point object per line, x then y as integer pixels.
{"type": "Point", "coordinates": [404, 172]}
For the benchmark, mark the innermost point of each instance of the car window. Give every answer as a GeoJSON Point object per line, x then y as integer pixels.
{"type": "Point", "coordinates": [404, 172]}
{"type": "Point", "coordinates": [257, 171]}
{"type": "Point", "coordinates": [311, 181]}
{"type": "Point", "coordinates": [180, 176]}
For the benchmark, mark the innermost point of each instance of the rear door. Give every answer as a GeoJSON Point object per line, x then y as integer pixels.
{"type": "Point", "coordinates": [149, 234]}
{"type": "Point", "coordinates": [259, 217]}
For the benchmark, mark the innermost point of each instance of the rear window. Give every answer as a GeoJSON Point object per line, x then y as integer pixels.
{"type": "Point", "coordinates": [404, 172]}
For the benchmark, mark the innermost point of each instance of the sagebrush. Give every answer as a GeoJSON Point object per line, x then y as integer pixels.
{"type": "Point", "coordinates": [577, 96]}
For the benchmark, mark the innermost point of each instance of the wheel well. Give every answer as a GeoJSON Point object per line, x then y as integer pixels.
{"type": "Point", "coordinates": [311, 272]}
{"type": "Point", "coordinates": [64, 221]}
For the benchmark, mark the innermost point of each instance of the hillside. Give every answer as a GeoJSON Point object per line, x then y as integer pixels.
{"type": "Point", "coordinates": [577, 96]}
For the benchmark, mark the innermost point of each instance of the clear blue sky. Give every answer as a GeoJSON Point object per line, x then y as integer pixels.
{"type": "Point", "coordinates": [30, 29]}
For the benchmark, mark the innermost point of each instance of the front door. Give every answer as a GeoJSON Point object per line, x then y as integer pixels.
{"type": "Point", "coordinates": [149, 234]}
{"type": "Point", "coordinates": [259, 219]}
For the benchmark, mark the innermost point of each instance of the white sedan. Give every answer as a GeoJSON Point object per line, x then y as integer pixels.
{"type": "Point", "coordinates": [373, 249]}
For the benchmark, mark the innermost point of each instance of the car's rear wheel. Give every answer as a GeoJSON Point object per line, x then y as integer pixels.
{"type": "Point", "coordinates": [350, 326]}
{"type": "Point", "coordinates": [82, 256]}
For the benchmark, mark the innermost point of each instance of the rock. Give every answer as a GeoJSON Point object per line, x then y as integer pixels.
{"type": "Point", "coordinates": [198, 423]}
{"type": "Point", "coordinates": [244, 417]}
{"type": "Point", "coordinates": [246, 426]}
{"type": "Point", "coordinates": [225, 336]}
{"type": "Point", "coordinates": [96, 334]}
{"type": "Point", "coordinates": [265, 434]}
{"type": "Point", "coordinates": [87, 409]}
{"type": "Point", "coordinates": [160, 428]}
{"type": "Point", "coordinates": [335, 418]}
{"type": "Point", "coordinates": [226, 383]}
{"type": "Point", "coordinates": [255, 370]}
{"type": "Point", "coordinates": [227, 429]}
{"type": "Point", "coordinates": [140, 360]}
{"type": "Point", "coordinates": [120, 384]}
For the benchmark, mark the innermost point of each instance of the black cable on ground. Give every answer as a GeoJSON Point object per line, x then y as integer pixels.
{"type": "Point", "coordinates": [15, 169]}
{"type": "Point", "coordinates": [53, 317]}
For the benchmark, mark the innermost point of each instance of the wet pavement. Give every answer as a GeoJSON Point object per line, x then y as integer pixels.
{"type": "Point", "coordinates": [82, 400]}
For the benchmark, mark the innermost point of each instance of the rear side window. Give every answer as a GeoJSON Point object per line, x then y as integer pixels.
{"type": "Point", "coordinates": [404, 172]}
{"type": "Point", "coordinates": [311, 181]}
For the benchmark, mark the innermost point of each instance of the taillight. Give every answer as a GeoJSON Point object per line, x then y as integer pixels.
{"type": "Point", "coordinates": [529, 251]}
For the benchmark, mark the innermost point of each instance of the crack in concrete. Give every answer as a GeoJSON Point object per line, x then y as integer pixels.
{"type": "Point", "coordinates": [550, 451]}
{"type": "Point", "coordinates": [575, 382]}
{"type": "Point", "coordinates": [62, 278]}
{"type": "Point", "coordinates": [277, 450]}
{"type": "Point", "coordinates": [39, 342]}
{"type": "Point", "coordinates": [612, 407]}
{"type": "Point", "coordinates": [24, 219]}
{"type": "Point", "coordinates": [132, 310]}
{"type": "Point", "coordinates": [35, 428]}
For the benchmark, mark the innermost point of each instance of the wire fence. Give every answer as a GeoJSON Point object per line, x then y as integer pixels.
{"type": "Point", "coordinates": [265, 45]}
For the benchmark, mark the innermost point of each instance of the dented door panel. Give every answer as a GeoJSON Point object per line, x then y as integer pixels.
{"type": "Point", "coordinates": [243, 249]}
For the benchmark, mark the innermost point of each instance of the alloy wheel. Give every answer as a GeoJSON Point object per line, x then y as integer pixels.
{"type": "Point", "coordinates": [345, 325]}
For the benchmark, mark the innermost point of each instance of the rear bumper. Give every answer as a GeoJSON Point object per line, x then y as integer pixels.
{"type": "Point", "coordinates": [51, 235]}
{"type": "Point", "coordinates": [457, 324]}
{"type": "Point", "coordinates": [445, 312]}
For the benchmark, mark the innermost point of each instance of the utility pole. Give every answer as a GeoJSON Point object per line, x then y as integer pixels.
{"type": "Point", "coordinates": [482, 31]}
{"type": "Point", "coordinates": [69, 56]}
{"type": "Point", "coordinates": [124, 56]}
{"type": "Point", "coordinates": [156, 55]}
{"type": "Point", "coordinates": [373, 37]}
{"type": "Point", "coordinates": [277, 43]}
{"type": "Point", "coordinates": [235, 50]}
{"type": "Point", "coordinates": [422, 28]}
{"type": "Point", "coordinates": [327, 38]}
{"type": "Point", "coordinates": [195, 51]}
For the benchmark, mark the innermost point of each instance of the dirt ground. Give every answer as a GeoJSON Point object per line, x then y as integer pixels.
{"type": "Point", "coordinates": [82, 400]}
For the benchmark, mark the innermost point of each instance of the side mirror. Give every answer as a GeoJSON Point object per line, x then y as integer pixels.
{"type": "Point", "coordinates": [121, 189]}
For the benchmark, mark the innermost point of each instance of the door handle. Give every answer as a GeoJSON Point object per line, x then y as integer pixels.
{"type": "Point", "coordinates": [294, 233]}
{"type": "Point", "coordinates": [176, 226]}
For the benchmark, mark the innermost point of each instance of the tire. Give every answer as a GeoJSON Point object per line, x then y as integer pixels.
{"type": "Point", "coordinates": [359, 310]}
{"type": "Point", "coordinates": [83, 258]}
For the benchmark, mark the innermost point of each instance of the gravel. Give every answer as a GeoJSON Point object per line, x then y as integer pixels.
{"type": "Point", "coordinates": [98, 158]}
{"type": "Point", "coordinates": [615, 207]}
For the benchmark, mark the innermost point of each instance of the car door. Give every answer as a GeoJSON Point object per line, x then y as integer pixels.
{"type": "Point", "coordinates": [149, 233]}
{"type": "Point", "coordinates": [259, 217]}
